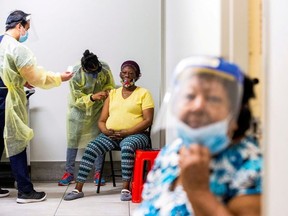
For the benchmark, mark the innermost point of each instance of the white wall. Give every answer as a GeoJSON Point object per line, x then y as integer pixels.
{"type": "Point", "coordinates": [275, 125]}
{"type": "Point", "coordinates": [234, 31]}
{"type": "Point", "coordinates": [208, 27]}
{"type": "Point", "coordinates": [192, 27]}
{"type": "Point", "coordinates": [114, 30]}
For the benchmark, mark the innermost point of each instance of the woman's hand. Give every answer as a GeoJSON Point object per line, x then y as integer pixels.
{"type": "Point", "coordinates": [27, 85]}
{"type": "Point", "coordinates": [121, 134]}
{"type": "Point", "coordinates": [100, 95]}
{"type": "Point", "coordinates": [108, 132]}
{"type": "Point", "coordinates": [116, 135]}
{"type": "Point", "coordinates": [194, 168]}
{"type": "Point", "coordinates": [65, 76]}
{"type": "Point", "coordinates": [112, 134]}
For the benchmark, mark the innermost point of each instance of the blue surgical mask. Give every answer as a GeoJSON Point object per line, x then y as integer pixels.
{"type": "Point", "coordinates": [24, 37]}
{"type": "Point", "coordinates": [213, 136]}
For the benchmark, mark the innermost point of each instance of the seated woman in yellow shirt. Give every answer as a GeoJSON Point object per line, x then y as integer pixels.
{"type": "Point", "coordinates": [126, 115]}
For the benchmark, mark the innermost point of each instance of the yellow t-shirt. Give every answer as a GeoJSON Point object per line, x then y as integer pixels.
{"type": "Point", "coordinates": [126, 113]}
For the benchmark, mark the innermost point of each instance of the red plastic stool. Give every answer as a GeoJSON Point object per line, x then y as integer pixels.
{"type": "Point", "coordinates": [141, 157]}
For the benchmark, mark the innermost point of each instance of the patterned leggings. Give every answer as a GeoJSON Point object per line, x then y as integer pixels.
{"type": "Point", "coordinates": [103, 144]}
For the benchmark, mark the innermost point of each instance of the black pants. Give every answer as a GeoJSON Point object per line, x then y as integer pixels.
{"type": "Point", "coordinates": [2, 124]}
{"type": "Point", "coordinates": [20, 171]}
{"type": "Point", "coordinates": [18, 162]}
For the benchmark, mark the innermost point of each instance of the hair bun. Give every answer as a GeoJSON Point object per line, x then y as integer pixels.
{"type": "Point", "coordinates": [90, 62]}
{"type": "Point", "coordinates": [86, 53]}
{"type": "Point", "coordinates": [255, 81]}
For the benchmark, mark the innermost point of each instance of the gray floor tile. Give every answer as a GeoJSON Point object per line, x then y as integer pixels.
{"type": "Point", "coordinates": [107, 202]}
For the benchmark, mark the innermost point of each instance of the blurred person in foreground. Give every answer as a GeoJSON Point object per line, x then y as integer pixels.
{"type": "Point", "coordinates": [18, 68]}
{"type": "Point", "coordinates": [209, 166]}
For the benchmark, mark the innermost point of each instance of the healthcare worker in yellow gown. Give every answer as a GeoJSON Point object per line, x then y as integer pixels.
{"type": "Point", "coordinates": [89, 88]}
{"type": "Point", "coordinates": [18, 68]}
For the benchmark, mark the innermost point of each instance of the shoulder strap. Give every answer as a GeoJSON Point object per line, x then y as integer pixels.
{"type": "Point", "coordinates": [1, 37]}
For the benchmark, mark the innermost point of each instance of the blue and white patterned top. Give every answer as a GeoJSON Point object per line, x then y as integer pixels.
{"type": "Point", "coordinates": [235, 171]}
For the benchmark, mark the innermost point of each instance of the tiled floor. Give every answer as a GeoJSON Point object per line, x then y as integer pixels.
{"type": "Point", "coordinates": [107, 202]}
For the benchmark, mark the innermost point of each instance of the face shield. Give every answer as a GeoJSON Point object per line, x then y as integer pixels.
{"type": "Point", "coordinates": [93, 68]}
{"type": "Point", "coordinates": [33, 36]}
{"type": "Point", "coordinates": [90, 63]}
{"type": "Point", "coordinates": [20, 17]}
{"type": "Point", "coordinates": [202, 103]}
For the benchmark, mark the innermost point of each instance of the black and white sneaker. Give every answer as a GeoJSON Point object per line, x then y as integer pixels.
{"type": "Point", "coordinates": [4, 193]}
{"type": "Point", "coordinates": [33, 196]}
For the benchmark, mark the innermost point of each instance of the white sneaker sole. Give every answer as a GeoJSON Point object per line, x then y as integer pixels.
{"type": "Point", "coordinates": [23, 201]}
{"type": "Point", "coordinates": [4, 195]}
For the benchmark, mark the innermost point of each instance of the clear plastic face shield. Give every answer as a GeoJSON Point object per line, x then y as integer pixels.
{"type": "Point", "coordinates": [90, 63]}
{"type": "Point", "coordinates": [93, 69]}
{"type": "Point", "coordinates": [202, 103]}
{"type": "Point", "coordinates": [32, 35]}
{"type": "Point", "coordinates": [27, 31]}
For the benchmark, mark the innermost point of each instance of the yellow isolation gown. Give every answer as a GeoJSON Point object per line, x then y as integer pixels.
{"type": "Point", "coordinates": [18, 66]}
{"type": "Point", "coordinates": [83, 114]}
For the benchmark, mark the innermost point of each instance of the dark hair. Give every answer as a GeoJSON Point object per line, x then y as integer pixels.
{"type": "Point", "coordinates": [16, 17]}
{"type": "Point", "coordinates": [90, 62]}
{"type": "Point", "coordinates": [245, 115]}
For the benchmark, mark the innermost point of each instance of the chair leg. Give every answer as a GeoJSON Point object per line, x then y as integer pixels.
{"type": "Point", "coordinates": [112, 168]}
{"type": "Point", "coordinates": [101, 172]}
